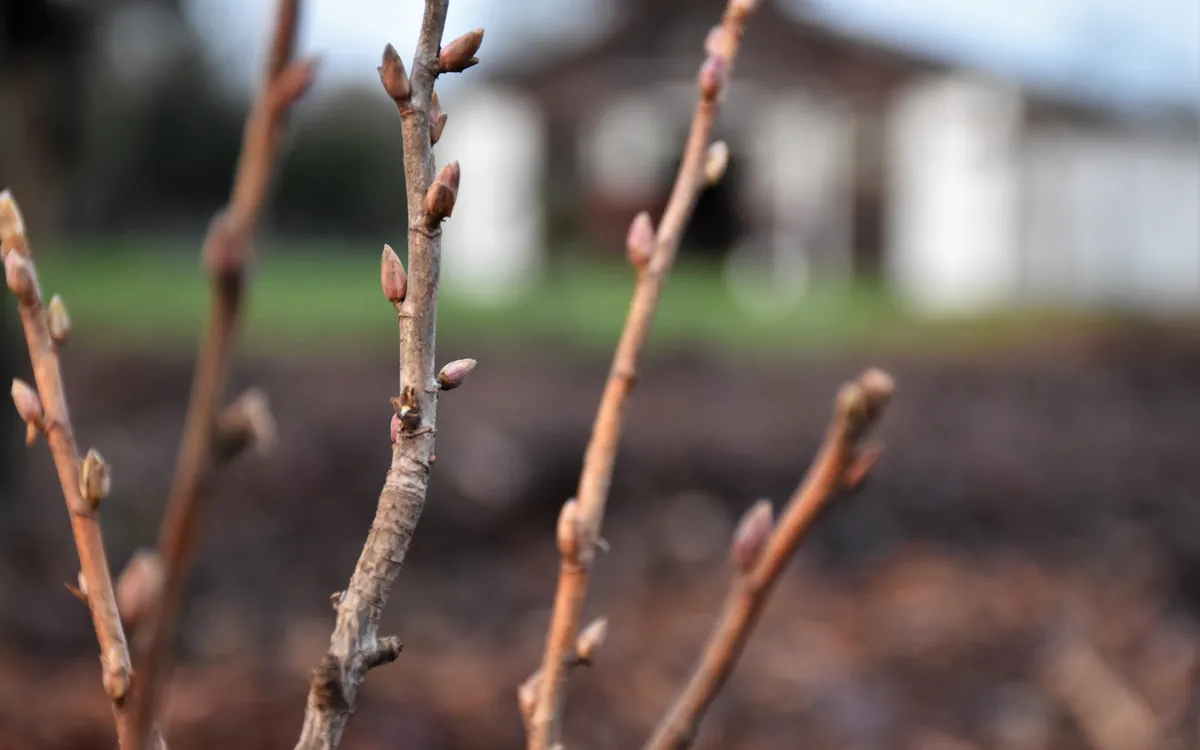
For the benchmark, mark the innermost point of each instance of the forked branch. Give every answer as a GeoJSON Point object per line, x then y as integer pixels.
{"type": "Point", "coordinates": [760, 551]}
{"type": "Point", "coordinates": [227, 251]}
{"type": "Point", "coordinates": [653, 255]}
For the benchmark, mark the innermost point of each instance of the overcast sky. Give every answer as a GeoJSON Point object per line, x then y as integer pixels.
{"type": "Point", "coordinates": [1125, 50]}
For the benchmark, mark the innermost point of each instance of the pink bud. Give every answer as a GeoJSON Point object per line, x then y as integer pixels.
{"type": "Point", "coordinates": [95, 482]}
{"type": "Point", "coordinates": [392, 276]}
{"type": "Point", "coordinates": [436, 126]}
{"type": "Point", "coordinates": [12, 225]}
{"type": "Point", "coordinates": [58, 320]}
{"type": "Point", "coordinates": [19, 274]}
{"type": "Point", "coordinates": [639, 242]}
{"type": "Point", "coordinates": [455, 373]}
{"type": "Point", "coordinates": [750, 538]}
{"type": "Point", "coordinates": [139, 586]}
{"type": "Point", "coordinates": [459, 54]}
{"type": "Point", "coordinates": [714, 43]}
{"type": "Point", "coordinates": [715, 162]}
{"type": "Point", "coordinates": [28, 404]}
{"type": "Point", "coordinates": [442, 194]}
{"type": "Point", "coordinates": [590, 639]}
{"type": "Point", "coordinates": [395, 428]}
{"type": "Point", "coordinates": [568, 532]}
{"type": "Point", "coordinates": [713, 73]}
{"type": "Point", "coordinates": [394, 76]}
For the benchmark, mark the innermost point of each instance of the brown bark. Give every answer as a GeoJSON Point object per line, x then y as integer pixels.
{"type": "Point", "coordinates": [227, 250]}
{"type": "Point", "coordinates": [545, 726]}
{"type": "Point", "coordinates": [355, 645]}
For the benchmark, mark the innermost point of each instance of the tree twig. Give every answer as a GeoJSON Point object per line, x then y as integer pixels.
{"type": "Point", "coordinates": [581, 520]}
{"type": "Point", "coordinates": [46, 411]}
{"type": "Point", "coordinates": [355, 645]}
{"type": "Point", "coordinates": [760, 552]}
{"type": "Point", "coordinates": [227, 251]}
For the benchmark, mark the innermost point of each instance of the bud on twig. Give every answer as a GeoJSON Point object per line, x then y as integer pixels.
{"type": "Point", "coordinates": [395, 428]}
{"type": "Point", "coordinates": [750, 538]}
{"type": "Point", "coordinates": [27, 401]}
{"type": "Point", "coordinates": [437, 119]}
{"type": "Point", "coordinates": [455, 373]}
{"type": "Point", "coordinates": [568, 532]}
{"type": "Point", "coordinates": [58, 320]}
{"type": "Point", "coordinates": [80, 592]}
{"type": "Point", "coordinates": [744, 7]}
{"type": "Point", "coordinates": [115, 674]}
{"type": "Point", "coordinates": [714, 43]}
{"type": "Point", "coordinates": [527, 695]}
{"type": "Point", "coordinates": [715, 162]}
{"type": "Point", "coordinates": [394, 76]}
{"type": "Point", "coordinates": [392, 276]}
{"type": "Point", "coordinates": [590, 640]}
{"type": "Point", "coordinates": [246, 423]}
{"type": "Point", "coordinates": [139, 587]}
{"type": "Point", "coordinates": [713, 74]}
{"type": "Point", "coordinates": [860, 403]}
{"type": "Point", "coordinates": [12, 226]}
{"type": "Point", "coordinates": [459, 54]}
{"type": "Point", "coordinates": [639, 242]}
{"type": "Point", "coordinates": [18, 273]}
{"type": "Point", "coordinates": [442, 194]}
{"type": "Point", "coordinates": [94, 479]}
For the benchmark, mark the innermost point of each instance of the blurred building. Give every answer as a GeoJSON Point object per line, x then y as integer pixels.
{"type": "Point", "coordinates": [961, 190]}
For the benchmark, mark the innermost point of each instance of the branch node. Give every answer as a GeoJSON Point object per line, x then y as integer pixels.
{"type": "Point", "coordinates": [569, 536]}
{"type": "Point", "coordinates": [442, 195]}
{"type": "Point", "coordinates": [139, 587]}
{"type": "Point", "coordinates": [385, 651]}
{"type": "Point", "coordinates": [639, 240]}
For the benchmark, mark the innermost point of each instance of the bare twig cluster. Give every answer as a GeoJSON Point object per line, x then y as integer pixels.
{"type": "Point", "coordinates": [150, 593]}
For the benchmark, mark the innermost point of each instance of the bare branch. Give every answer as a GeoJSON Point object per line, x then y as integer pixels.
{"type": "Point", "coordinates": [355, 647]}
{"type": "Point", "coordinates": [859, 406]}
{"type": "Point", "coordinates": [45, 411]}
{"type": "Point", "coordinates": [227, 250]}
{"type": "Point", "coordinates": [721, 48]}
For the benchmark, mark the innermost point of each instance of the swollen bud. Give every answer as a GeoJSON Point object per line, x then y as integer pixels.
{"type": "Point", "coordinates": [27, 401]}
{"type": "Point", "coordinates": [743, 7]}
{"type": "Point", "coordinates": [590, 640]}
{"type": "Point", "coordinates": [714, 42]}
{"type": "Point", "coordinates": [437, 119]}
{"type": "Point", "coordinates": [18, 273]}
{"type": "Point", "coordinates": [455, 374]}
{"type": "Point", "coordinates": [394, 76]}
{"type": "Point", "coordinates": [639, 242]}
{"type": "Point", "coordinates": [442, 194]}
{"type": "Point", "coordinates": [750, 538]}
{"type": "Point", "coordinates": [459, 54]}
{"type": "Point", "coordinates": [568, 532]}
{"type": "Point", "coordinates": [94, 479]}
{"type": "Point", "coordinates": [715, 162]}
{"type": "Point", "coordinates": [713, 74]}
{"type": "Point", "coordinates": [139, 586]}
{"type": "Point", "coordinates": [392, 276]}
{"type": "Point", "coordinates": [58, 320]}
{"type": "Point", "coordinates": [12, 226]}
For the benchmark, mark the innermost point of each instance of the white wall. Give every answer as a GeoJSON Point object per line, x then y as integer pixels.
{"type": "Point", "coordinates": [953, 195]}
{"type": "Point", "coordinates": [494, 246]}
{"type": "Point", "coordinates": [1112, 219]}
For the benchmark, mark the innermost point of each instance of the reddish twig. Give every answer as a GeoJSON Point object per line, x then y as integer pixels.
{"type": "Point", "coordinates": [653, 255]}
{"type": "Point", "coordinates": [760, 552]}
{"type": "Point", "coordinates": [84, 482]}
{"type": "Point", "coordinates": [355, 646]}
{"type": "Point", "coordinates": [227, 250]}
